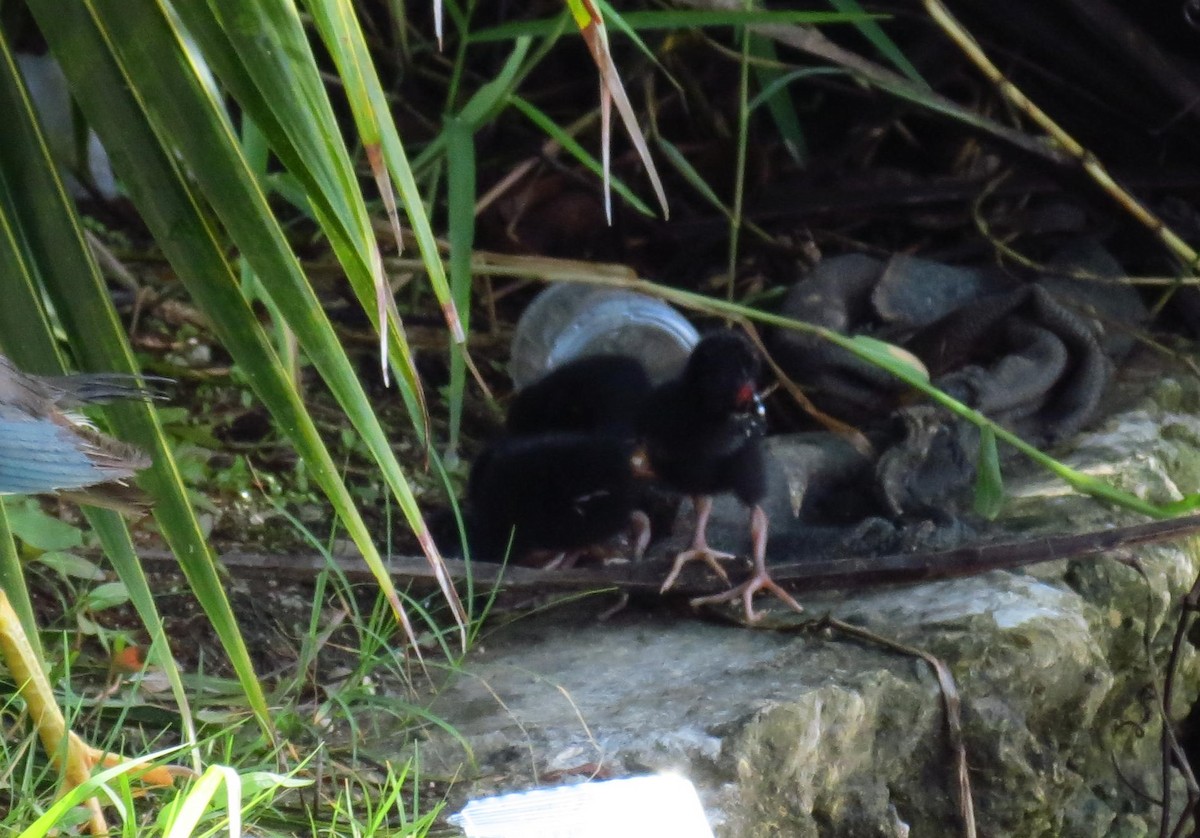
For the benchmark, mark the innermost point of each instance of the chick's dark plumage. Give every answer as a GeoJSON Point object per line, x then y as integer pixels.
{"type": "Point", "coordinates": [555, 492]}
{"type": "Point", "coordinates": [571, 435]}
{"type": "Point", "coordinates": [703, 435]}
{"type": "Point", "coordinates": [703, 429]}
{"type": "Point", "coordinates": [596, 394]}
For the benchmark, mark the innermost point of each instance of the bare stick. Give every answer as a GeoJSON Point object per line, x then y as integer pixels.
{"type": "Point", "coordinates": [950, 703]}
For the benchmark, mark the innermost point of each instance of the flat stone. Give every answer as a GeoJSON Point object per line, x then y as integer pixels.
{"type": "Point", "coordinates": [800, 732]}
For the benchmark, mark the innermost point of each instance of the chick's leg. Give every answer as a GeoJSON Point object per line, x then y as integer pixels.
{"type": "Point", "coordinates": [761, 580]}
{"type": "Point", "coordinates": [639, 524]}
{"type": "Point", "coordinates": [699, 549]}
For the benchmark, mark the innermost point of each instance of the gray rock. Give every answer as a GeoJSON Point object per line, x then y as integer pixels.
{"type": "Point", "coordinates": [803, 733]}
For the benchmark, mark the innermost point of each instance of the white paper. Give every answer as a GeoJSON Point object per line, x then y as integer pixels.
{"type": "Point", "coordinates": [661, 806]}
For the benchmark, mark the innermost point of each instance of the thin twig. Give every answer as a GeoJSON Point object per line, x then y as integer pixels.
{"type": "Point", "coordinates": [950, 703]}
{"type": "Point", "coordinates": [646, 576]}
{"type": "Point", "coordinates": [1170, 743]}
{"type": "Point", "coordinates": [1170, 751]}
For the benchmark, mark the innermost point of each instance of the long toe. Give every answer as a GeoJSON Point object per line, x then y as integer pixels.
{"type": "Point", "coordinates": [709, 556]}
{"type": "Point", "coordinates": [746, 591]}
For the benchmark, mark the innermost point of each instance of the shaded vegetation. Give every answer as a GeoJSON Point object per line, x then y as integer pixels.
{"type": "Point", "coordinates": [252, 230]}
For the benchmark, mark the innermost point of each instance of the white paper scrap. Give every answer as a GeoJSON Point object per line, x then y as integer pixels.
{"type": "Point", "coordinates": [660, 806]}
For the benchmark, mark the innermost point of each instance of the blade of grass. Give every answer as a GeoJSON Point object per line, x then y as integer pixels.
{"type": "Point", "coordinates": [195, 801]}
{"type": "Point", "coordinates": [174, 214]}
{"type": "Point", "coordinates": [460, 209]}
{"type": "Point", "coordinates": [430, 157]}
{"type": "Point", "coordinates": [778, 100]}
{"type": "Point", "coordinates": [193, 124]}
{"type": "Point", "coordinates": [12, 575]}
{"type": "Point", "coordinates": [572, 147]}
{"type": "Point", "coordinates": [339, 29]}
{"type": "Point", "coordinates": [739, 166]}
{"type": "Point", "coordinates": [989, 483]}
{"type": "Point", "coordinates": [261, 53]}
{"type": "Point", "coordinates": [462, 22]}
{"type": "Point", "coordinates": [257, 154]}
{"type": "Point", "coordinates": [783, 80]}
{"type": "Point", "coordinates": [488, 100]}
{"type": "Point", "coordinates": [460, 205]}
{"type": "Point", "coordinates": [591, 26]}
{"type": "Point", "coordinates": [55, 251]}
{"type": "Point", "coordinates": [46, 824]}
{"type": "Point", "coordinates": [682, 165]}
{"type": "Point", "coordinates": [814, 43]}
{"type": "Point", "coordinates": [343, 38]}
{"type": "Point", "coordinates": [873, 32]}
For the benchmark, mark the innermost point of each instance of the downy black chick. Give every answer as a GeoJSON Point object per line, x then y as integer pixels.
{"type": "Point", "coordinates": [46, 447]}
{"type": "Point", "coordinates": [595, 394]}
{"type": "Point", "coordinates": [703, 436]}
{"type": "Point", "coordinates": [553, 492]}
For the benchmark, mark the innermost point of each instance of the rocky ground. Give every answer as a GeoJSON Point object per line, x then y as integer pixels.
{"type": "Point", "coordinates": [795, 731]}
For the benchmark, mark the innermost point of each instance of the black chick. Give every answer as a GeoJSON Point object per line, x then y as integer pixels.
{"type": "Point", "coordinates": [703, 435]}
{"type": "Point", "coordinates": [594, 394]}
{"type": "Point", "coordinates": [554, 492]}
{"type": "Point", "coordinates": [597, 395]}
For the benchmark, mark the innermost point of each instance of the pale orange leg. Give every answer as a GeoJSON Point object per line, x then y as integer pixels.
{"type": "Point", "coordinates": [639, 522]}
{"type": "Point", "coordinates": [699, 549]}
{"type": "Point", "coordinates": [761, 580]}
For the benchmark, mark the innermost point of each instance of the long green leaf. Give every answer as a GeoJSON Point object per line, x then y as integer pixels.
{"type": "Point", "coordinates": [187, 119]}
{"type": "Point", "coordinates": [195, 123]}
{"type": "Point", "coordinates": [682, 165]}
{"type": "Point", "coordinates": [891, 358]}
{"type": "Point", "coordinates": [460, 201]}
{"type": "Point", "coordinates": [874, 33]}
{"type": "Point", "coordinates": [12, 582]}
{"type": "Point", "coordinates": [51, 226]}
{"type": "Point", "coordinates": [344, 39]}
{"type": "Point", "coordinates": [79, 37]}
{"type": "Point", "coordinates": [487, 101]}
{"type": "Point", "coordinates": [261, 54]}
{"type": "Point", "coordinates": [49, 821]}
{"type": "Point", "coordinates": [59, 258]}
{"type": "Point", "coordinates": [572, 147]}
{"type": "Point", "coordinates": [779, 101]}
{"type": "Point", "coordinates": [989, 483]}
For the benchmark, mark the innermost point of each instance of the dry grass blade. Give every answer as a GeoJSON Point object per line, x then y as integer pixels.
{"type": "Point", "coordinates": [1065, 141]}
{"type": "Point", "coordinates": [591, 26]}
{"type": "Point", "coordinates": [854, 435]}
{"type": "Point", "coordinates": [385, 301]}
{"type": "Point", "coordinates": [1171, 751]}
{"type": "Point", "coordinates": [950, 701]}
